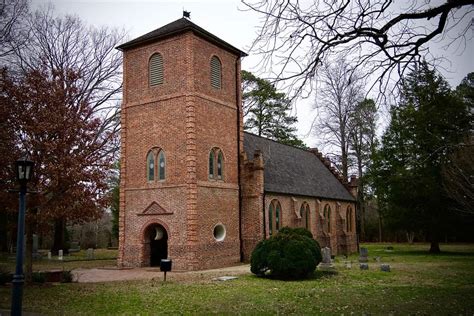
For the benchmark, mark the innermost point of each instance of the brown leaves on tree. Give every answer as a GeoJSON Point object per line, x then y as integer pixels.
{"type": "Point", "coordinates": [57, 127]}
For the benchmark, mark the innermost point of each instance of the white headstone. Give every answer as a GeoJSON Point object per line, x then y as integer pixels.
{"type": "Point", "coordinates": [326, 264]}
{"type": "Point", "coordinates": [60, 254]}
{"type": "Point", "coordinates": [90, 253]}
{"type": "Point", "coordinates": [326, 254]}
{"type": "Point", "coordinates": [49, 255]}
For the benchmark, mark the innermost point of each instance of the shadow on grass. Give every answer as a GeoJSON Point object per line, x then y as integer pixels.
{"type": "Point", "coordinates": [316, 275]}
{"type": "Point", "coordinates": [426, 253]}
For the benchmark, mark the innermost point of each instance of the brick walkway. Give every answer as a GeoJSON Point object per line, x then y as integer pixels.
{"type": "Point", "coordinates": [111, 274]}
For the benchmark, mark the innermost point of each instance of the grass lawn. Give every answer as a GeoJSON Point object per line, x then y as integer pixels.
{"type": "Point", "coordinates": [418, 284]}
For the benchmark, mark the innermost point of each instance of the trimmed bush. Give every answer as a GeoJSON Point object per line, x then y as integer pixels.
{"type": "Point", "coordinates": [38, 277]}
{"type": "Point", "coordinates": [290, 254]}
{"type": "Point", "coordinates": [5, 276]}
{"type": "Point", "coordinates": [67, 277]}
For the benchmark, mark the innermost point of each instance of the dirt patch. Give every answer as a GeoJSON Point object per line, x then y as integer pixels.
{"type": "Point", "coordinates": [108, 275]}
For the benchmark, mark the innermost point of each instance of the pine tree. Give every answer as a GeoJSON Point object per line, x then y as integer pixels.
{"type": "Point", "coordinates": [425, 127]}
{"type": "Point", "coordinates": [266, 111]}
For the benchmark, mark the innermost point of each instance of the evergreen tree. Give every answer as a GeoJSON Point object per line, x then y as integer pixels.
{"type": "Point", "coordinates": [425, 127]}
{"type": "Point", "coordinates": [266, 111]}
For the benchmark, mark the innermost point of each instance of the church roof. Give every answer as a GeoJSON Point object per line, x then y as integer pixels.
{"type": "Point", "coordinates": [174, 28]}
{"type": "Point", "coordinates": [292, 170]}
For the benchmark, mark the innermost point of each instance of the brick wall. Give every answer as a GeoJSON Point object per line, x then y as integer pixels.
{"type": "Point", "coordinates": [186, 118]}
{"type": "Point", "coordinates": [338, 239]}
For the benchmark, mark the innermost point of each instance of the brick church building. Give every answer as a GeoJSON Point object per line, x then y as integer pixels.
{"type": "Point", "coordinates": [195, 187]}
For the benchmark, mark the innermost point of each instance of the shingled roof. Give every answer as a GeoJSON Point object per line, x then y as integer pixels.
{"type": "Point", "coordinates": [291, 170]}
{"type": "Point", "coordinates": [174, 28]}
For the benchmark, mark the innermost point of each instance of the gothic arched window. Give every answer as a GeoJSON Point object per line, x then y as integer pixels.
{"type": "Point", "coordinates": [274, 217]}
{"type": "Point", "coordinates": [349, 219]}
{"type": "Point", "coordinates": [327, 217]}
{"type": "Point", "coordinates": [304, 213]}
{"type": "Point", "coordinates": [155, 164]}
{"type": "Point", "coordinates": [150, 166]}
{"type": "Point", "coordinates": [216, 164]}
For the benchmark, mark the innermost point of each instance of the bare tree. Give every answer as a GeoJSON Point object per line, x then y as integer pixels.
{"type": "Point", "coordinates": [12, 16]}
{"type": "Point", "coordinates": [66, 43]}
{"type": "Point", "coordinates": [336, 102]}
{"type": "Point", "coordinates": [59, 46]}
{"type": "Point", "coordinates": [362, 140]}
{"type": "Point", "coordinates": [383, 36]}
{"type": "Point", "coordinates": [458, 178]}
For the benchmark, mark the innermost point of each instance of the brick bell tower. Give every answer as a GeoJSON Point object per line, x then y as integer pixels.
{"type": "Point", "coordinates": [181, 138]}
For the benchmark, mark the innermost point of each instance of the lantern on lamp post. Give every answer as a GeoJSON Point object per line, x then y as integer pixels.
{"type": "Point", "coordinates": [23, 171]}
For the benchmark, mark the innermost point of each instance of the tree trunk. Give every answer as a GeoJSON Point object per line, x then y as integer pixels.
{"type": "Point", "coordinates": [380, 228]}
{"type": "Point", "coordinates": [434, 246]}
{"type": "Point", "coordinates": [344, 158]}
{"type": "Point", "coordinates": [58, 244]}
{"type": "Point", "coordinates": [4, 220]}
{"type": "Point", "coordinates": [361, 200]}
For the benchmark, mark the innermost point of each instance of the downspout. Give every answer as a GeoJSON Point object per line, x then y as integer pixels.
{"type": "Point", "coordinates": [239, 171]}
{"type": "Point", "coordinates": [264, 219]}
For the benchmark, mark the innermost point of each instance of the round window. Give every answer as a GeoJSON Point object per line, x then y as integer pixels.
{"type": "Point", "coordinates": [219, 232]}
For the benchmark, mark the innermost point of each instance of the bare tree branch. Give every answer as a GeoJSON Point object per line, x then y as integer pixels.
{"type": "Point", "coordinates": [65, 44]}
{"type": "Point", "coordinates": [297, 38]}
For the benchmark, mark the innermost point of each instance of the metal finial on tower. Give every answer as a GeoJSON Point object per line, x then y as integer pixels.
{"type": "Point", "coordinates": [186, 14]}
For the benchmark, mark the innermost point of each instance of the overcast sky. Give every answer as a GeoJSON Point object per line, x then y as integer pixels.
{"type": "Point", "coordinates": [226, 19]}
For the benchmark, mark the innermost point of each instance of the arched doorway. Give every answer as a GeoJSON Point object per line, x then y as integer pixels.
{"type": "Point", "coordinates": [156, 242]}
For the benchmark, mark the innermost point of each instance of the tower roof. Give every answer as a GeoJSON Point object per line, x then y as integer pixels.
{"type": "Point", "coordinates": [177, 27]}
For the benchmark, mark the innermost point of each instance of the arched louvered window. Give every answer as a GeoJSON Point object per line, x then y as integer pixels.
{"type": "Point", "coordinates": [162, 165]}
{"type": "Point", "coordinates": [216, 73]}
{"type": "Point", "coordinates": [327, 217]}
{"type": "Point", "coordinates": [150, 166]}
{"type": "Point", "coordinates": [220, 165]}
{"type": "Point", "coordinates": [304, 212]}
{"type": "Point", "coordinates": [349, 219]}
{"type": "Point", "coordinates": [156, 69]}
{"type": "Point", "coordinates": [274, 214]}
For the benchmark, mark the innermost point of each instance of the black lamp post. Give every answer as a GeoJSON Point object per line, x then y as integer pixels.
{"type": "Point", "coordinates": [24, 171]}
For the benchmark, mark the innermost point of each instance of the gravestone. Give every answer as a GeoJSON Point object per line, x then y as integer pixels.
{"type": "Point", "coordinates": [35, 252]}
{"type": "Point", "coordinates": [90, 253]}
{"type": "Point", "coordinates": [326, 264]}
{"type": "Point", "coordinates": [364, 266]}
{"type": "Point", "coordinates": [364, 254]}
{"type": "Point", "coordinates": [348, 264]}
{"type": "Point", "coordinates": [49, 255]}
{"type": "Point", "coordinates": [60, 254]}
{"type": "Point", "coordinates": [385, 267]}
{"type": "Point", "coordinates": [74, 247]}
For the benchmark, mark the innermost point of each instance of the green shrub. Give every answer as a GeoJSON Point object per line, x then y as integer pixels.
{"type": "Point", "coordinates": [5, 275]}
{"type": "Point", "coordinates": [290, 254]}
{"type": "Point", "coordinates": [38, 277]}
{"type": "Point", "coordinates": [67, 277]}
